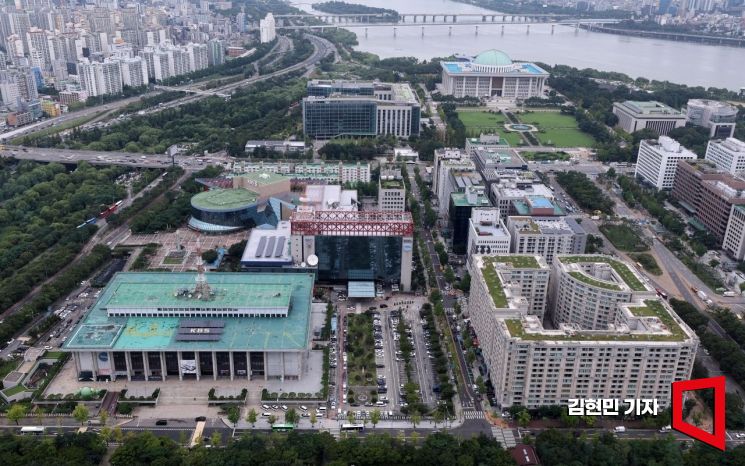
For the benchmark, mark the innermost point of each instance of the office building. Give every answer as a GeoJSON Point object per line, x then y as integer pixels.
{"type": "Point", "coordinates": [282, 147]}
{"type": "Point", "coordinates": [391, 191]}
{"type": "Point", "coordinates": [460, 211]}
{"type": "Point", "coordinates": [246, 201]}
{"type": "Point", "coordinates": [734, 235]}
{"type": "Point", "coordinates": [328, 172]}
{"type": "Point", "coordinates": [717, 199]}
{"type": "Point", "coordinates": [688, 184]}
{"type": "Point", "coordinates": [633, 116]}
{"type": "Point", "coordinates": [513, 188]}
{"type": "Point", "coordinates": [392, 109]}
{"type": "Point", "coordinates": [486, 142]}
{"type": "Point", "coordinates": [268, 249]}
{"type": "Point", "coordinates": [496, 159]}
{"type": "Point", "coordinates": [492, 74]}
{"type": "Point", "coordinates": [157, 326]}
{"type": "Point", "coordinates": [487, 233]}
{"type": "Point", "coordinates": [546, 236]}
{"type": "Point", "coordinates": [658, 160]}
{"type": "Point", "coordinates": [267, 29]}
{"type": "Point", "coordinates": [728, 155]}
{"type": "Point", "coordinates": [447, 160]}
{"type": "Point", "coordinates": [718, 117]}
{"type": "Point", "coordinates": [346, 245]}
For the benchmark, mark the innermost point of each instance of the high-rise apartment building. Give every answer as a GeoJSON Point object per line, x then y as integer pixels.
{"type": "Point", "coordinates": [267, 29]}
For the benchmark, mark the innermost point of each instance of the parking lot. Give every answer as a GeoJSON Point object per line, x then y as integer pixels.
{"type": "Point", "coordinates": [390, 369]}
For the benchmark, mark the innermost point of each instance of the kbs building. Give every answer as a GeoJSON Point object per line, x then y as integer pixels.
{"type": "Point", "coordinates": [341, 108]}
{"type": "Point", "coordinates": [492, 74]}
{"type": "Point", "coordinates": [658, 160]}
{"type": "Point", "coordinates": [633, 116]}
{"type": "Point", "coordinates": [635, 350]}
{"type": "Point", "coordinates": [158, 326]}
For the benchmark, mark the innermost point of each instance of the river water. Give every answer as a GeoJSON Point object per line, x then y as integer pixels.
{"type": "Point", "coordinates": [679, 62]}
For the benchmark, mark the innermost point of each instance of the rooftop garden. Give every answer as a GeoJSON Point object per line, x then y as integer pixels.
{"type": "Point", "coordinates": [494, 284]}
{"type": "Point", "coordinates": [621, 269]}
{"type": "Point", "coordinates": [584, 278]}
{"type": "Point", "coordinates": [652, 308]}
{"type": "Point", "coordinates": [14, 390]}
{"type": "Point", "coordinates": [523, 262]}
{"type": "Point", "coordinates": [391, 184]}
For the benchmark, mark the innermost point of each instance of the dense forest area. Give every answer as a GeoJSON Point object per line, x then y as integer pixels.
{"type": "Point", "coordinates": [343, 8]}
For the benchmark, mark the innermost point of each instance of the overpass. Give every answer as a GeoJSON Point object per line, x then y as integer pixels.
{"type": "Point", "coordinates": [192, 90]}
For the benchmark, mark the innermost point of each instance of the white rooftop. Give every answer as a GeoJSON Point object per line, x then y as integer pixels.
{"type": "Point", "coordinates": [329, 197]}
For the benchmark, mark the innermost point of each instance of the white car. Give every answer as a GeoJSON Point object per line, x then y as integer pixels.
{"type": "Point", "coordinates": [48, 348]}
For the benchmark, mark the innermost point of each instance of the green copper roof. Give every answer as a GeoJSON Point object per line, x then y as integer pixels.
{"type": "Point", "coordinates": [493, 58]}
{"type": "Point", "coordinates": [224, 199]}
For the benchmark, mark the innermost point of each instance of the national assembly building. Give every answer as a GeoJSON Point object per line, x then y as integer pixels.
{"type": "Point", "coordinates": [492, 74]}
{"type": "Point", "coordinates": [157, 326]}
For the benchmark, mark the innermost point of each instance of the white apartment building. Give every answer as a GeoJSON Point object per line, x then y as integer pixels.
{"type": "Point", "coordinates": [658, 160]}
{"type": "Point", "coordinates": [734, 236]}
{"type": "Point", "coordinates": [585, 289]}
{"type": "Point", "coordinates": [100, 78]}
{"type": "Point", "coordinates": [728, 155]}
{"type": "Point", "coordinates": [267, 29]}
{"type": "Point", "coordinates": [633, 116]}
{"type": "Point", "coordinates": [486, 233]}
{"type": "Point", "coordinates": [391, 191]}
{"type": "Point", "coordinates": [638, 353]}
{"type": "Point", "coordinates": [546, 236]}
{"type": "Point", "coordinates": [198, 56]}
{"type": "Point", "coordinates": [639, 358]}
{"type": "Point", "coordinates": [134, 72]}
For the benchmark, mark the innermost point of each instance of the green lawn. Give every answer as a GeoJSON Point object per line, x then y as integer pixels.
{"type": "Point", "coordinates": [557, 129]}
{"type": "Point", "coordinates": [624, 237]}
{"type": "Point", "coordinates": [479, 121]}
{"type": "Point", "coordinates": [541, 156]}
{"type": "Point", "coordinates": [648, 262]}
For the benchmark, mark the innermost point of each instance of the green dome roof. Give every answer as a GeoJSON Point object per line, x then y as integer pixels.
{"type": "Point", "coordinates": [493, 58]}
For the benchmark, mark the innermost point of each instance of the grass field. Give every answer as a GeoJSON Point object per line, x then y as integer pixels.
{"type": "Point", "coordinates": [480, 121]}
{"type": "Point", "coordinates": [557, 129]}
{"type": "Point", "coordinates": [624, 237]}
{"type": "Point", "coordinates": [541, 156]}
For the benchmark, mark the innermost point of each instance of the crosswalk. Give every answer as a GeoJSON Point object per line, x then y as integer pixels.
{"type": "Point", "coordinates": [474, 415]}
{"type": "Point", "coordinates": [506, 437]}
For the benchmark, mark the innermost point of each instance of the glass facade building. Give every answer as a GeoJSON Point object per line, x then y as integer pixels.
{"type": "Point", "coordinates": [359, 258]}
{"type": "Point", "coordinates": [329, 118]}
{"type": "Point", "coordinates": [322, 88]}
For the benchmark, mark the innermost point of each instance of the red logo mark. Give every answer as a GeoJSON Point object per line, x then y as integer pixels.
{"type": "Point", "coordinates": [717, 439]}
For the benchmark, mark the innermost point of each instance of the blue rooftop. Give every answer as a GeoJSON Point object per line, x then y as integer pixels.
{"type": "Point", "coordinates": [541, 202]}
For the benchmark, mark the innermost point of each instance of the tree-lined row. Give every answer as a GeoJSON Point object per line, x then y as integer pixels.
{"type": "Point", "coordinates": [587, 195]}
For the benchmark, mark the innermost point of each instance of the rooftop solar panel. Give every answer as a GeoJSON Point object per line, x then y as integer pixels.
{"type": "Point", "coordinates": [198, 337]}
{"type": "Point", "coordinates": [280, 246]}
{"type": "Point", "coordinates": [260, 247]}
{"type": "Point", "coordinates": [270, 247]}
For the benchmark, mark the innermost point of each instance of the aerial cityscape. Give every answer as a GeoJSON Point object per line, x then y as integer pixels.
{"type": "Point", "coordinates": [362, 232]}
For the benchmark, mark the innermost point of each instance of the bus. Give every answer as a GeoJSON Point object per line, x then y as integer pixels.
{"type": "Point", "coordinates": [283, 427]}
{"type": "Point", "coordinates": [197, 435]}
{"type": "Point", "coordinates": [352, 427]}
{"type": "Point", "coordinates": [32, 430]}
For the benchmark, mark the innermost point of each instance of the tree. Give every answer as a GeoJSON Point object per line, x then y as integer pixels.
{"type": "Point", "coordinates": [375, 417]}
{"type": "Point", "coordinates": [523, 418]}
{"type": "Point", "coordinates": [416, 418]}
{"type": "Point", "coordinates": [437, 417]}
{"type": "Point", "coordinates": [118, 435]}
{"type": "Point", "coordinates": [272, 419]}
{"type": "Point", "coordinates": [216, 438]}
{"type": "Point", "coordinates": [81, 414]}
{"type": "Point", "coordinates": [106, 434]}
{"type": "Point", "coordinates": [291, 416]}
{"type": "Point", "coordinates": [415, 437]}
{"type": "Point", "coordinates": [252, 417]}
{"type": "Point", "coordinates": [234, 415]}
{"type": "Point", "coordinates": [350, 417]}
{"type": "Point", "coordinates": [313, 418]}
{"type": "Point", "coordinates": [209, 256]}
{"type": "Point", "coordinates": [16, 413]}
{"type": "Point", "coordinates": [104, 415]}
{"type": "Point", "coordinates": [480, 384]}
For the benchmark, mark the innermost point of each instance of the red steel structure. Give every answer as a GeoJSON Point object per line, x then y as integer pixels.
{"type": "Point", "coordinates": [352, 223]}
